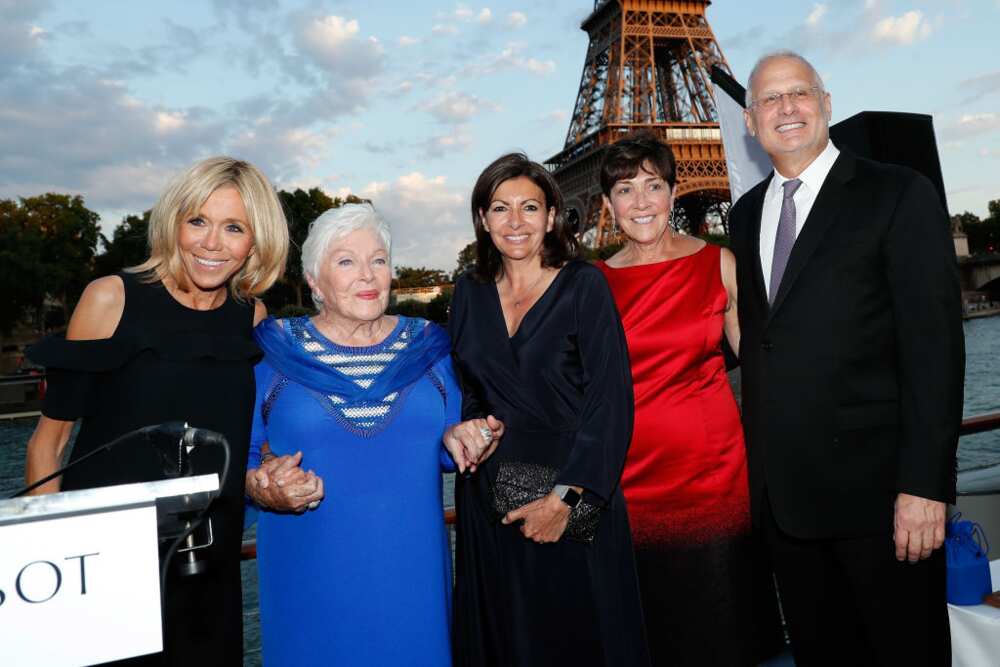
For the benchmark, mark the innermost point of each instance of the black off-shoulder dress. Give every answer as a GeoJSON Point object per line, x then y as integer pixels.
{"type": "Point", "coordinates": [167, 362]}
{"type": "Point", "coordinates": [563, 388]}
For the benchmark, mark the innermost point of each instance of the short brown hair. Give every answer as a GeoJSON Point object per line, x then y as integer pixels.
{"type": "Point", "coordinates": [624, 158]}
{"type": "Point", "coordinates": [185, 196]}
{"type": "Point", "coordinates": [559, 245]}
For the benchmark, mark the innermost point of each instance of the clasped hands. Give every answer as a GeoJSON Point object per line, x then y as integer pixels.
{"type": "Point", "coordinates": [280, 484]}
{"type": "Point", "coordinates": [468, 444]}
{"type": "Point", "coordinates": [918, 527]}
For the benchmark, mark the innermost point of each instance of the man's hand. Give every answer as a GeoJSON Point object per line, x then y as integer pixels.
{"type": "Point", "coordinates": [545, 519]}
{"type": "Point", "coordinates": [919, 527]}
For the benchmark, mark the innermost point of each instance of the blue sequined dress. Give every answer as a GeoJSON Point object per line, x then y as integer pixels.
{"type": "Point", "coordinates": [365, 579]}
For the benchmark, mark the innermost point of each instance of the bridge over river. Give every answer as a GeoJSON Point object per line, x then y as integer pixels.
{"type": "Point", "coordinates": [981, 273]}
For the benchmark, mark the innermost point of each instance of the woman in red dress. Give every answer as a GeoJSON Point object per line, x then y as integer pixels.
{"type": "Point", "coordinates": [685, 478]}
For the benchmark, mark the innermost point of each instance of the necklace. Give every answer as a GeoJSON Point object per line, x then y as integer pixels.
{"type": "Point", "coordinates": [528, 291]}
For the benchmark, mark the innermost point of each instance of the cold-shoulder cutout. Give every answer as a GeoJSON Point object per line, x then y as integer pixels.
{"type": "Point", "coordinates": [99, 310]}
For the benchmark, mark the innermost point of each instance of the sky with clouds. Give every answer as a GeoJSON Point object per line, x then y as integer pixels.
{"type": "Point", "coordinates": [405, 103]}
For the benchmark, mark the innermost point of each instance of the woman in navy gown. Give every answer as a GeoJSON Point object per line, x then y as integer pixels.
{"type": "Point", "coordinates": [545, 574]}
{"type": "Point", "coordinates": [359, 401]}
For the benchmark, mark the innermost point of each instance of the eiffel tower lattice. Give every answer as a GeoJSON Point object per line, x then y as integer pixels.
{"type": "Point", "coordinates": [647, 67]}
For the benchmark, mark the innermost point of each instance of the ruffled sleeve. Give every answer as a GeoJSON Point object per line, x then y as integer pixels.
{"type": "Point", "coordinates": [74, 368]}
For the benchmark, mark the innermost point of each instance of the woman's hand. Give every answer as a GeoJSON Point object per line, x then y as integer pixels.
{"type": "Point", "coordinates": [281, 485]}
{"type": "Point", "coordinates": [468, 443]}
{"type": "Point", "coordinates": [544, 519]}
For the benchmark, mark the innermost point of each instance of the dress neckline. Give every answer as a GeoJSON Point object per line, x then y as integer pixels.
{"type": "Point", "coordinates": [660, 263]}
{"type": "Point", "coordinates": [351, 349]}
{"type": "Point", "coordinates": [494, 289]}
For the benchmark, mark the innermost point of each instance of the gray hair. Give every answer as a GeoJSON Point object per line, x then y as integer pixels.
{"type": "Point", "coordinates": [337, 223]}
{"type": "Point", "coordinates": [774, 55]}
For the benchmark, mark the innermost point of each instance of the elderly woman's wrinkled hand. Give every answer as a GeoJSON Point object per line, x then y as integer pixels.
{"type": "Point", "coordinates": [472, 442]}
{"type": "Point", "coordinates": [280, 484]}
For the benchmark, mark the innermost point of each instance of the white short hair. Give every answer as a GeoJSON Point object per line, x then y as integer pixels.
{"type": "Point", "coordinates": [335, 224]}
{"type": "Point", "coordinates": [774, 55]}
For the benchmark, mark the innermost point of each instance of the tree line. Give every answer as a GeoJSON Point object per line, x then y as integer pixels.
{"type": "Point", "coordinates": [51, 246]}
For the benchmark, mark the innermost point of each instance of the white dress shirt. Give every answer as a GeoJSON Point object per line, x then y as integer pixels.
{"type": "Point", "coordinates": [812, 180]}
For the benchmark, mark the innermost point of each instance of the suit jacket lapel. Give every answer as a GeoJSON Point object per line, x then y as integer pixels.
{"type": "Point", "coordinates": [756, 210]}
{"type": "Point", "coordinates": [826, 208]}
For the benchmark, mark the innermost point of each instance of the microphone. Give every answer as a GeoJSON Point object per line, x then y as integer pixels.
{"type": "Point", "coordinates": [163, 436]}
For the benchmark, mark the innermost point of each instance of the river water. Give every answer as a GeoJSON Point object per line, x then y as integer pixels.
{"type": "Point", "coordinates": [982, 395]}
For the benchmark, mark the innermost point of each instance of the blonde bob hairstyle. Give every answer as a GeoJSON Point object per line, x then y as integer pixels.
{"type": "Point", "coordinates": [183, 199]}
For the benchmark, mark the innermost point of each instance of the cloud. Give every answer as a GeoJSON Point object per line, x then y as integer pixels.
{"type": "Point", "coordinates": [21, 38]}
{"type": "Point", "coordinates": [557, 116]}
{"type": "Point", "coordinates": [970, 125]}
{"type": "Point", "coordinates": [485, 16]}
{"type": "Point", "coordinates": [334, 44]}
{"type": "Point", "coordinates": [442, 29]}
{"type": "Point", "coordinates": [817, 14]}
{"type": "Point", "coordinates": [428, 218]}
{"type": "Point", "coordinates": [458, 140]}
{"type": "Point", "coordinates": [406, 40]}
{"type": "Point", "coordinates": [980, 86]}
{"type": "Point", "coordinates": [989, 152]}
{"type": "Point", "coordinates": [516, 20]}
{"type": "Point", "coordinates": [903, 30]}
{"type": "Point", "coordinates": [457, 107]}
{"type": "Point", "coordinates": [78, 132]}
{"type": "Point", "coordinates": [510, 57]}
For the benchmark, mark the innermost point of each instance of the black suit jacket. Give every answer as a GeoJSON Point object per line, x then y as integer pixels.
{"type": "Point", "coordinates": [852, 382]}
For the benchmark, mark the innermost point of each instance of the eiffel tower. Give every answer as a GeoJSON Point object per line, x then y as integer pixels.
{"type": "Point", "coordinates": [647, 67]}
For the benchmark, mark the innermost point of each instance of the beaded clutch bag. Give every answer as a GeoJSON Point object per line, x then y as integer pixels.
{"type": "Point", "coordinates": [517, 484]}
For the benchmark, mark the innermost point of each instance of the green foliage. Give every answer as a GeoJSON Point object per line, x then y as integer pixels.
{"type": "Point", "coordinates": [128, 246]}
{"type": "Point", "coordinates": [983, 235]}
{"type": "Point", "coordinates": [466, 260]}
{"type": "Point", "coordinates": [436, 310]}
{"type": "Point", "coordinates": [47, 248]}
{"type": "Point", "coordinates": [604, 252]}
{"type": "Point", "coordinates": [717, 239]}
{"type": "Point", "coordinates": [408, 276]}
{"type": "Point", "coordinates": [292, 310]}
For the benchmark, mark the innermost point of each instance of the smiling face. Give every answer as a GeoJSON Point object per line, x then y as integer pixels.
{"type": "Point", "coordinates": [354, 277]}
{"type": "Point", "coordinates": [215, 243]}
{"type": "Point", "coordinates": [641, 205]}
{"type": "Point", "coordinates": [517, 218]}
{"type": "Point", "coordinates": [791, 132]}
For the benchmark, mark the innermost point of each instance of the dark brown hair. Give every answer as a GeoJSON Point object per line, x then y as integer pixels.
{"type": "Point", "coordinates": [559, 245]}
{"type": "Point", "coordinates": [624, 158]}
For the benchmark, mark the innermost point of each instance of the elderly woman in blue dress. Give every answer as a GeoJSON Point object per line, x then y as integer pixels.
{"type": "Point", "coordinates": [352, 407]}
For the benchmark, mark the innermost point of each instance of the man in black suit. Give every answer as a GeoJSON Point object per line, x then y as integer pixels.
{"type": "Point", "coordinates": [853, 363]}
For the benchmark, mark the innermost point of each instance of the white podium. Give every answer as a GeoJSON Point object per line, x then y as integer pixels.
{"type": "Point", "coordinates": [80, 574]}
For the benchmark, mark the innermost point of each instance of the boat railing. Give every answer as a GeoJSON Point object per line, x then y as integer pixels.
{"type": "Point", "coordinates": [979, 480]}
{"type": "Point", "coordinates": [970, 426]}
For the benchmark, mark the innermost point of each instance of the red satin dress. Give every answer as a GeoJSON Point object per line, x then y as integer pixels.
{"type": "Point", "coordinates": [685, 477]}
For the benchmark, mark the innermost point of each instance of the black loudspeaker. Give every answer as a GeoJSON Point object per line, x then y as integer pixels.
{"type": "Point", "coordinates": [896, 138]}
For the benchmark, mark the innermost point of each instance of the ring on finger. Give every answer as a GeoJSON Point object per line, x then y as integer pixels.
{"type": "Point", "coordinates": [487, 434]}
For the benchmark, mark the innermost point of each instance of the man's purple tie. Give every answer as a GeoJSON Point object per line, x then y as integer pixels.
{"type": "Point", "coordinates": [785, 238]}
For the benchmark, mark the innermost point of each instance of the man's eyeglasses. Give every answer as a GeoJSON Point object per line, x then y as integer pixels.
{"type": "Point", "coordinates": [796, 95]}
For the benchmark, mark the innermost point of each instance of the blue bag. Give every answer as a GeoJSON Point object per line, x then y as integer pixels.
{"type": "Point", "coordinates": [965, 549]}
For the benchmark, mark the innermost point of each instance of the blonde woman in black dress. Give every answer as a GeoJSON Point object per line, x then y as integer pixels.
{"type": "Point", "coordinates": [171, 340]}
